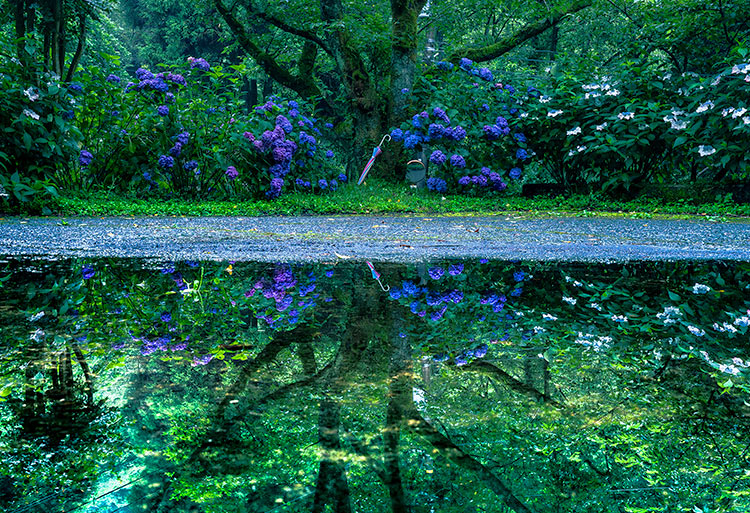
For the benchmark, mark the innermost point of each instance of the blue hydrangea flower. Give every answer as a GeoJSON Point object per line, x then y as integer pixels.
{"type": "Point", "coordinates": [329, 154]}
{"type": "Point", "coordinates": [342, 177]}
{"type": "Point", "coordinates": [520, 137]}
{"type": "Point", "coordinates": [88, 272]}
{"type": "Point", "coordinates": [231, 172]}
{"type": "Point", "coordinates": [465, 63]}
{"type": "Point", "coordinates": [445, 66]}
{"type": "Point", "coordinates": [455, 269]}
{"type": "Point", "coordinates": [519, 275]}
{"type": "Point", "coordinates": [521, 154]}
{"type": "Point", "coordinates": [464, 180]}
{"type": "Point", "coordinates": [190, 165]}
{"type": "Point", "coordinates": [322, 183]}
{"type": "Point", "coordinates": [436, 184]}
{"type": "Point", "coordinates": [485, 74]}
{"type": "Point", "coordinates": [436, 273]}
{"type": "Point", "coordinates": [515, 173]}
{"type": "Point", "coordinates": [411, 141]}
{"type": "Point", "coordinates": [113, 79]}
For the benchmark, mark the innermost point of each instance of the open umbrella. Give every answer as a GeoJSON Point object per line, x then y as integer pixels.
{"type": "Point", "coordinates": [375, 152]}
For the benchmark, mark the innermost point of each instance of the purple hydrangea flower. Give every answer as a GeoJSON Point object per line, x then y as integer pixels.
{"type": "Point", "coordinates": [231, 172]}
{"type": "Point", "coordinates": [485, 74]}
{"type": "Point", "coordinates": [458, 161]}
{"type": "Point", "coordinates": [113, 79]}
{"type": "Point", "coordinates": [328, 125]}
{"type": "Point", "coordinates": [284, 123]}
{"type": "Point", "coordinates": [163, 110]}
{"type": "Point", "coordinates": [176, 79]}
{"type": "Point", "coordinates": [441, 115]}
{"type": "Point", "coordinates": [465, 63]}
{"type": "Point", "coordinates": [464, 180]}
{"type": "Point", "coordinates": [190, 165]}
{"type": "Point", "coordinates": [166, 161]}
{"type": "Point", "coordinates": [329, 154]}
{"type": "Point", "coordinates": [455, 269]}
{"type": "Point", "coordinates": [435, 130]}
{"type": "Point", "coordinates": [492, 132]}
{"type": "Point", "coordinates": [501, 122]}
{"type": "Point", "coordinates": [199, 63]}
{"type": "Point", "coordinates": [438, 158]}
{"type": "Point", "coordinates": [457, 133]}
{"type": "Point", "coordinates": [143, 74]}
{"type": "Point", "coordinates": [85, 158]}
{"type": "Point", "coordinates": [176, 149]}
{"type": "Point", "coordinates": [166, 317]}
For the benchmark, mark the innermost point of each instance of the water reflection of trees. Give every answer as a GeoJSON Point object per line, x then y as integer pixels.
{"type": "Point", "coordinates": [362, 404]}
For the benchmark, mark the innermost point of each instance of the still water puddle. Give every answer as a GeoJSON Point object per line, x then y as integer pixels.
{"type": "Point", "coordinates": [447, 386]}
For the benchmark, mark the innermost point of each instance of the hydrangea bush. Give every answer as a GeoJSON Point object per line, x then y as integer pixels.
{"type": "Point", "coordinates": [465, 123]}
{"type": "Point", "coordinates": [37, 138]}
{"type": "Point", "coordinates": [641, 125]}
{"type": "Point", "coordinates": [185, 132]}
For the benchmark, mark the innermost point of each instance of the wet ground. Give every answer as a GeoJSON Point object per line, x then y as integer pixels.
{"type": "Point", "coordinates": [385, 238]}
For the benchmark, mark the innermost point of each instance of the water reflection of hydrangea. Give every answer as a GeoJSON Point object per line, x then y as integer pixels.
{"type": "Point", "coordinates": [88, 272]}
{"type": "Point", "coordinates": [436, 272]}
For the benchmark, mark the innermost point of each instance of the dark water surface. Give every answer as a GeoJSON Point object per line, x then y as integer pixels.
{"type": "Point", "coordinates": [467, 386]}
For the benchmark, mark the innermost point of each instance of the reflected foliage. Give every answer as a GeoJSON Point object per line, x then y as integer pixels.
{"type": "Point", "coordinates": [468, 385]}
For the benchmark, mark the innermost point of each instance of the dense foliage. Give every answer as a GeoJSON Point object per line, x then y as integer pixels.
{"type": "Point", "coordinates": [543, 387]}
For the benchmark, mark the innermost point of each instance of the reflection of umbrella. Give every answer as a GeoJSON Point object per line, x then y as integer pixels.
{"type": "Point", "coordinates": [376, 276]}
{"type": "Point", "coordinates": [375, 152]}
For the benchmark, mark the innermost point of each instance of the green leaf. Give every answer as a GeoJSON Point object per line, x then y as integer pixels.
{"type": "Point", "coordinates": [673, 296]}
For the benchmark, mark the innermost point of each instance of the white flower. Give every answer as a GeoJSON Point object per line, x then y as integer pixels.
{"type": "Point", "coordinates": [30, 94]}
{"type": "Point", "coordinates": [38, 335]}
{"type": "Point", "coordinates": [703, 107]}
{"type": "Point", "coordinates": [595, 306]}
{"type": "Point", "coordinates": [538, 330]}
{"type": "Point", "coordinates": [696, 331]}
{"type": "Point", "coordinates": [547, 69]}
{"type": "Point", "coordinates": [545, 99]}
{"type": "Point", "coordinates": [31, 114]}
{"type": "Point", "coordinates": [574, 131]}
{"type": "Point", "coordinates": [747, 78]}
{"type": "Point", "coordinates": [554, 113]}
{"type": "Point", "coordinates": [716, 81]}
{"type": "Point", "coordinates": [738, 113]}
{"type": "Point", "coordinates": [590, 87]}
{"type": "Point", "coordinates": [668, 76]}
{"type": "Point", "coordinates": [727, 111]}
{"type": "Point", "coordinates": [746, 119]}
{"type": "Point", "coordinates": [742, 322]}
{"type": "Point", "coordinates": [591, 95]}
{"type": "Point", "coordinates": [524, 115]}
{"type": "Point", "coordinates": [570, 300]}
{"type": "Point", "coordinates": [740, 68]}
{"type": "Point", "coordinates": [581, 148]}
{"type": "Point", "coordinates": [602, 126]}
{"type": "Point", "coordinates": [548, 317]}
{"type": "Point", "coordinates": [699, 288]}
{"type": "Point", "coordinates": [36, 316]}
{"type": "Point", "coordinates": [619, 318]}
{"type": "Point", "coordinates": [739, 362]}
{"type": "Point", "coordinates": [705, 150]}
{"type": "Point", "coordinates": [729, 369]}
{"type": "Point", "coordinates": [613, 92]}
{"type": "Point", "coordinates": [625, 115]}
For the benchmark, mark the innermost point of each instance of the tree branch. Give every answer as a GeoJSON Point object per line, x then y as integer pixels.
{"type": "Point", "coordinates": [447, 448]}
{"type": "Point", "coordinates": [489, 52]}
{"type": "Point", "coordinates": [304, 85]}
{"type": "Point", "coordinates": [499, 374]}
{"type": "Point", "coordinates": [276, 22]}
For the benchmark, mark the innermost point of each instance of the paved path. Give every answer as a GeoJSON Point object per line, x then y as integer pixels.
{"type": "Point", "coordinates": [391, 238]}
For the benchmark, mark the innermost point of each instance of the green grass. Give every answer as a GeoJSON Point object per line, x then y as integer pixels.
{"type": "Point", "coordinates": [386, 198]}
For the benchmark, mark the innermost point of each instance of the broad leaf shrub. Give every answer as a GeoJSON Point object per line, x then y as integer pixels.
{"type": "Point", "coordinates": [37, 138]}
{"type": "Point", "coordinates": [640, 125]}
{"type": "Point", "coordinates": [465, 124]}
{"type": "Point", "coordinates": [184, 133]}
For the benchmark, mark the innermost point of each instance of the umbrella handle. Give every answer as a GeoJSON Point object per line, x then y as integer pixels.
{"type": "Point", "coordinates": [386, 137]}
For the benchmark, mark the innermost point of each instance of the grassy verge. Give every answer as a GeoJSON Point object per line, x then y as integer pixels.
{"type": "Point", "coordinates": [385, 198]}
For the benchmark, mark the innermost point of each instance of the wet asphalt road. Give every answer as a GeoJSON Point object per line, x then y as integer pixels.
{"type": "Point", "coordinates": [378, 238]}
